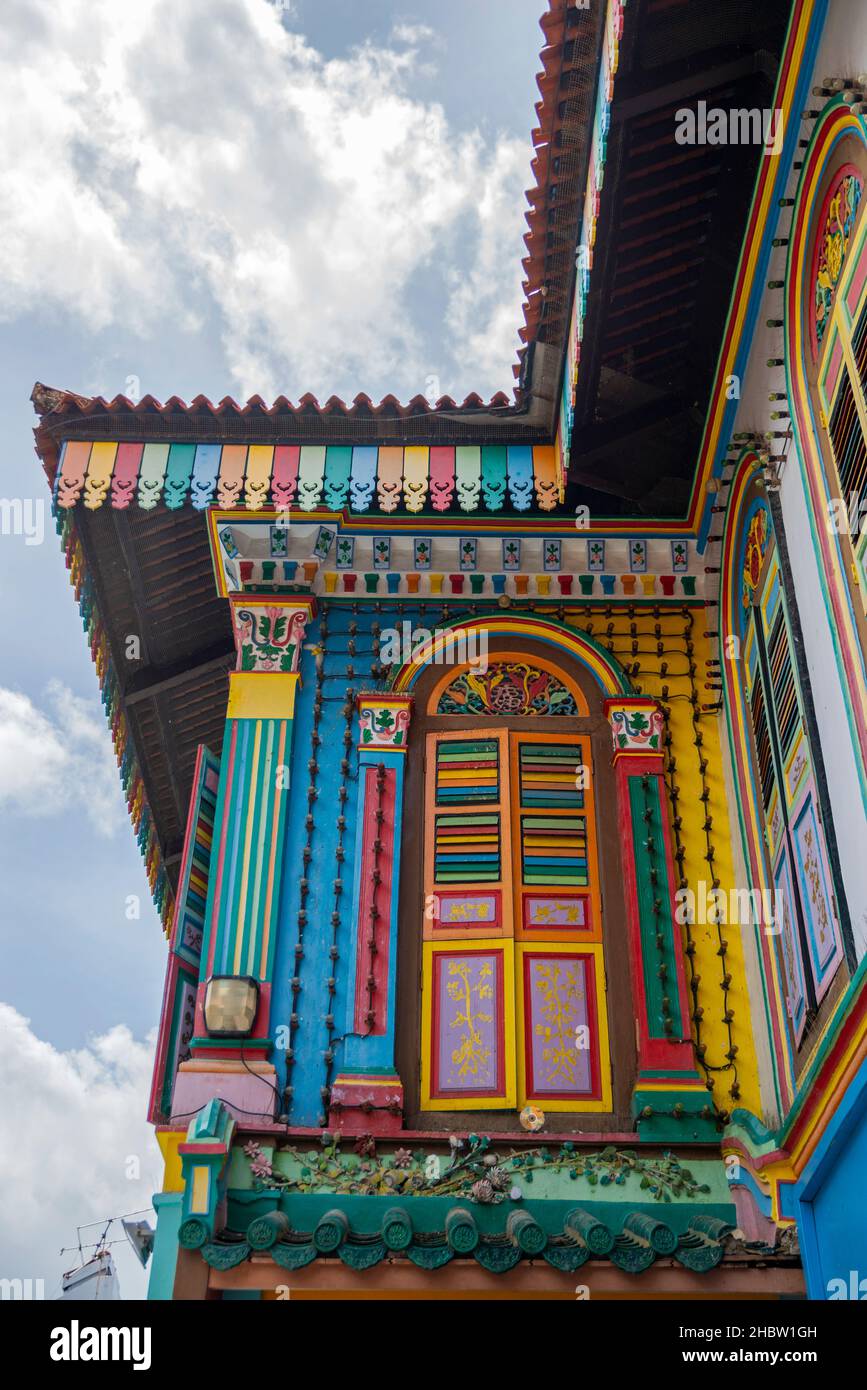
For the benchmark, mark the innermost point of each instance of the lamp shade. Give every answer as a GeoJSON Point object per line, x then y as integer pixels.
{"type": "Point", "coordinates": [231, 1002]}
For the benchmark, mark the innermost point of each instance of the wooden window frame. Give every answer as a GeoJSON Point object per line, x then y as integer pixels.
{"type": "Point", "coordinates": [786, 804]}
{"type": "Point", "coordinates": [616, 1024]}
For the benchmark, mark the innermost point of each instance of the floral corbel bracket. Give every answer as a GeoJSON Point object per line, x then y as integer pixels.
{"type": "Point", "coordinates": [269, 633]}
{"type": "Point", "coordinates": [637, 726]}
{"type": "Point", "coordinates": [383, 721]}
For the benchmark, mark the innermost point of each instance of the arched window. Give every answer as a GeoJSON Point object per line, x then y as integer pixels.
{"type": "Point", "coordinates": [837, 368]}
{"type": "Point", "coordinates": [513, 959]}
{"type": "Point", "coordinates": [805, 923]}
{"type": "Point", "coordinates": [826, 360]}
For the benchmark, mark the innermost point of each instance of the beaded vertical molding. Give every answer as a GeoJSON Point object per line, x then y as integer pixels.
{"type": "Point", "coordinates": [368, 1092]}
{"type": "Point", "coordinates": [669, 1098]}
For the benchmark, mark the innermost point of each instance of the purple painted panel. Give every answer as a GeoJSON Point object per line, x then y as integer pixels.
{"type": "Point", "coordinates": [558, 1004]}
{"type": "Point", "coordinates": [467, 909]}
{"type": "Point", "coordinates": [823, 936]}
{"type": "Point", "coordinates": [468, 1023]}
{"type": "Point", "coordinates": [555, 912]}
{"type": "Point", "coordinates": [792, 963]}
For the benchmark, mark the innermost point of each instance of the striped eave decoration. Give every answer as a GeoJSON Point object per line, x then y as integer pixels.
{"type": "Point", "coordinates": [363, 478]}
{"type": "Point", "coordinates": [554, 850]}
{"type": "Point", "coordinates": [548, 775]}
{"type": "Point", "coordinates": [130, 772]}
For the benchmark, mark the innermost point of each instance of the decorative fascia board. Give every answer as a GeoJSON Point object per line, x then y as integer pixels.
{"type": "Point", "coordinates": [263, 554]}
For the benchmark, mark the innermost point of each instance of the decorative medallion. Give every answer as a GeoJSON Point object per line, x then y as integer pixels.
{"type": "Point", "coordinates": [679, 556]}
{"type": "Point", "coordinates": [382, 553]}
{"type": "Point", "coordinates": [637, 556]}
{"type": "Point", "coordinates": [595, 556]}
{"type": "Point", "coordinates": [637, 725]}
{"type": "Point", "coordinates": [324, 542]}
{"type": "Point", "coordinates": [507, 687]}
{"type": "Point", "coordinates": [421, 552]}
{"type": "Point", "coordinates": [279, 542]}
{"type": "Point", "coordinates": [754, 553]}
{"type": "Point", "coordinates": [551, 554]}
{"type": "Point", "coordinates": [511, 554]}
{"type": "Point", "coordinates": [228, 543]}
{"type": "Point", "coordinates": [840, 211]}
{"type": "Point", "coordinates": [467, 547]}
{"type": "Point", "coordinates": [383, 721]}
{"type": "Point", "coordinates": [345, 552]}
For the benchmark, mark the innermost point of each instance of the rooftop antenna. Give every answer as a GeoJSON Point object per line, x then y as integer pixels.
{"type": "Point", "coordinates": [141, 1237]}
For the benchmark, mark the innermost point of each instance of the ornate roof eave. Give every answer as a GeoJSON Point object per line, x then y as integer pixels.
{"type": "Point", "coordinates": [570, 59]}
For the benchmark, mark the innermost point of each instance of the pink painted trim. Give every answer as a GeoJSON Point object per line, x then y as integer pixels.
{"type": "Point", "coordinates": [375, 896]}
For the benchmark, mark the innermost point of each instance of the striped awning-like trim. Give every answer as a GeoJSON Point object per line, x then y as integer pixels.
{"type": "Point", "coordinates": [362, 478]}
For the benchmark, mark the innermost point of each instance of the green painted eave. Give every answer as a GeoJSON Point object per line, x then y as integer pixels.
{"type": "Point", "coordinates": [428, 1214]}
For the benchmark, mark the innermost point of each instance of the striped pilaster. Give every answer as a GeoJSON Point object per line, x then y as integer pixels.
{"type": "Point", "coordinates": [252, 804]}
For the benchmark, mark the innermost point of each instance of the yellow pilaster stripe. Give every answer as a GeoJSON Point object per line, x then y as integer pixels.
{"type": "Point", "coordinates": [267, 777]}
{"type": "Point", "coordinates": [279, 793]}
{"type": "Point", "coordinates": [255, 773]}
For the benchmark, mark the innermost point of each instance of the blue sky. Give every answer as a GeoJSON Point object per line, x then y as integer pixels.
{"type": "Point", "coordinates": [226, 197]}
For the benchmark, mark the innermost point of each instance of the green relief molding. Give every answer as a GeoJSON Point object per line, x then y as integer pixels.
{"type": "Point", "coordinates": [657, 934]}
{"type": "Point", "coordinates": [749, 1129]}
{"type": "Point", "coordinates": [557, 1172]}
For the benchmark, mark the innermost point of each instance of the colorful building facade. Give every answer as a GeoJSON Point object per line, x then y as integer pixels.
{"type": "Point", "coordinates": [499, 767]}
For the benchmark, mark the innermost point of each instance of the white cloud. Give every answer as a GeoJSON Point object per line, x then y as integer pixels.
{"type": "Point", "coordinates": [415, 34]}
{"type": "Point", "coordinates": [482, 310]}
{"type": "Point", "coordinates": [74, 1121]}
{"type": "Point", "coordinates": [166, 153]}
{"type": "Point", "coordinates": [54, 760]}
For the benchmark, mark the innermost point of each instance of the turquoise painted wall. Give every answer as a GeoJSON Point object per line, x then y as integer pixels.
{"type": "Point", "coordinates": [165, 1254]}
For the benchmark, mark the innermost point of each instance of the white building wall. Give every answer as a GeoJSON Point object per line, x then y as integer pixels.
{"type": "Point", "coordinates": [842, 53]}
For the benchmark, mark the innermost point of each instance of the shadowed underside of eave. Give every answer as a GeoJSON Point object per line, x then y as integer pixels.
{"type": "Point", "coordinates": [669, 238]}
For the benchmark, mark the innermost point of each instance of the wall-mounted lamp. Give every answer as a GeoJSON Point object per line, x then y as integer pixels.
{"type": "Point", "coordinates": [231, 1002]}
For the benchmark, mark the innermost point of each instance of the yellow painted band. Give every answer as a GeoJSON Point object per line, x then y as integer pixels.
{"type": "Point", "coordinates": [168, 1140]}
{"type": "Point", "coordinates": [200, 1189]}
{"type": "Point", "coordinates": [262, 694]}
